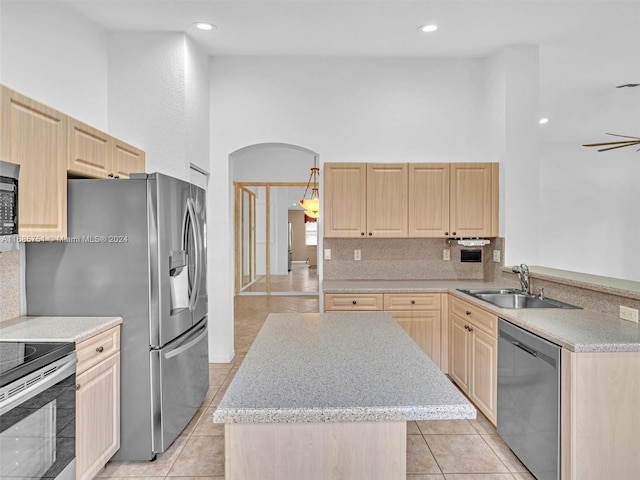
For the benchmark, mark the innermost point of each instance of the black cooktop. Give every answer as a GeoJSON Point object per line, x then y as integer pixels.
{"type": "Point", "coordinates": [18, 359]}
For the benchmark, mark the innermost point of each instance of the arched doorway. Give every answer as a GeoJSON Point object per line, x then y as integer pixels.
{"type": "Point", "coordinates": [275, 249]}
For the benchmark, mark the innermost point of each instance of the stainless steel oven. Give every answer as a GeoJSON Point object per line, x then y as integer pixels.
{"type": "Point", "coordinates": [37, 410]}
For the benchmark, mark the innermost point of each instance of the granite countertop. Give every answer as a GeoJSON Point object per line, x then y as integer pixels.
{"type": "Point", "coordinates": [580, 330]}
{"type": "Point", "coordinates": [338, 367]}
{"type": "Point", "coordinates": [62, 329]}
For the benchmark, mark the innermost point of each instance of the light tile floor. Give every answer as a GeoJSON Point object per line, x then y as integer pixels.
{"type": "Point", "coordinates": [436, 450]}
{"type": "Point", "coordinates": [302, 279]}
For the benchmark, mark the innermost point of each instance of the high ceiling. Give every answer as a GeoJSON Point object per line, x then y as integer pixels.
{"type": "Point", "coordinates": [367, 28]}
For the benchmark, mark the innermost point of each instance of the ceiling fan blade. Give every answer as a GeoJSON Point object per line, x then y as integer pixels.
{"type": "Point", "coordinates": [619, 146]}
{"type": "Point", "coordinates": [623, 136]}
{"type": "Point", "coordinates": [626, 142]}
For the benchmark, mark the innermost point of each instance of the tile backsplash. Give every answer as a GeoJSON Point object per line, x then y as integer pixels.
{"type": "Point", "coordinates": [407, 259]}
{"type": "Point", "coordinates": [9, 285]}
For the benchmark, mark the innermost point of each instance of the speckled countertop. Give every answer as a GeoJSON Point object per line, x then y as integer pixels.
{"type": "Point", "coordinates": [338, 367]}
{"type": "Point", "coordinates": [581, 330]}
{"type": "Point", "coordinates": [63, 329]}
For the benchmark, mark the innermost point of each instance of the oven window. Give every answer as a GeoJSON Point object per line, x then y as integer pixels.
{"type": "Point", "coordinates": [37, 438]}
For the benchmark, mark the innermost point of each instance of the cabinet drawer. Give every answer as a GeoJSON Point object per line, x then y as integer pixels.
{"type": "Point", "coordinates": [481, 318]}
{"type": "Point", "coordinates": [412, 301]}
{"type": "Point", "coordinates": [343, 301]}
{"type": "Point", "coordinates": [97, 348]}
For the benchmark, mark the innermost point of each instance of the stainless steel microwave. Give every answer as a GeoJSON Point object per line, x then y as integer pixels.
{"type": "Point", "coordinates": [8, 206]}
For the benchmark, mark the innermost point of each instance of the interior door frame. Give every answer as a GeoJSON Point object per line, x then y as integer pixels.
{"type": "Point", "coordinates": [239, 212]}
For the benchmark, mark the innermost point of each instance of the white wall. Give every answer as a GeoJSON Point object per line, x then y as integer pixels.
{"type": "Point", "coordinates": [346, 109]}
{"type": "Point", "coordinates": [147, 97]}
{"type": "Point", "coordinates": [512, 127]}
{"type": "Point", "coordinates": [51, 54]}
{"type": "Point", "coordinates": [588, 207]}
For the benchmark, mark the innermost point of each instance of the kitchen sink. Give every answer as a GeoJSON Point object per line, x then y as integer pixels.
{"type": "Point", "coordinates": [516, 299]}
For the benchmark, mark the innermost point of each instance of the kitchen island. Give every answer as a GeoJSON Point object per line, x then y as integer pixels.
{"type": "Point", "coordinates": [328, 396]}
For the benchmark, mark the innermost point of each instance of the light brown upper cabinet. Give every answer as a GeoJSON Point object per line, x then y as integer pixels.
{"type": "Point", "coordinates": [90, 150]}
{"type": "Point", "coordinates": [127, 159]}
{"type": "Point", "coordinates": [345, 199]}
{"type": "Point", "coordinates": [48, 144]}
{"type": "Point", "coordinates": [387, 213]}
{"type": "Point", "coordinates": [365, 200]}
{"type": "Point", "coordinates": [95, 154]}
{"type": "Point", "coordinates": [473, 209]}
{"type": "Point", "coordinates": [430, 200]}
{"type": "Point", "coordinates": [35, 136]}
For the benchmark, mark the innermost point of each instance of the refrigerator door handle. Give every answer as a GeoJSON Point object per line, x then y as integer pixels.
{"type": "Point", "coordinates": [186, 346]}
{"type": "Point", "coordinates": [193, 297]}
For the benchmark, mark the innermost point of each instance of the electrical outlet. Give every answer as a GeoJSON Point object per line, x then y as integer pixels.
{"type": "Point", "coordinates": [630, 314]}
{"type": "Point", "coordinates": [357, 254]}
{"type": "Point", "coordinates": [327, 254]}
{"type": "Point", "coordinates": [496, 256]}
{"type": "Point", "coordinates": [446, 254]}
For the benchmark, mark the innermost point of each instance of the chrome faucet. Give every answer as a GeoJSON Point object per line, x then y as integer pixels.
{"type": "Point", "coordinates": [523, 276]}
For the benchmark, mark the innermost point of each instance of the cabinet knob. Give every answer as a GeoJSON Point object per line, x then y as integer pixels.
{"type": "Point", "coordinates": [110, 175]}
{"type": "Point", "coordinates": [116, 176]}
{"type": "Point", "coordinates": [446, 233]}
{"type": "Point", "coordinates": [466, 327]}
{"type": "Point", "coordinates": [354, 302]}
{"type": "Point", "coordinates": [370, 234]}
{"type": "Point", "coordinates": [362, 233]}
{"type": "Point", "coordinates": [454, 234]}
{"type": "Point", "coordinates": [470, 329]}
{"type": "Point", "coordinates": [77, 386]}
{"type": "Point", "coordinates": [100, 349]}
{"type": "Point", "coordinates": [413, 302]}
{"type": "Point", "coordinates": [468, 312]}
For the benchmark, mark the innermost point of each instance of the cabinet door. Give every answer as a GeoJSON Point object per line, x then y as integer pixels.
{"type": "Point", "coordinates": [424, 328]}
{"type": "Point", "coordinates": [34, 136]}
{"type": "Point", "coordinates": [387, 200]}
{"type": "Point", "coordinates": [459, 352]}
{"type": "Point", "coordinates": [483, 388]}
{"type": "Point", "coordinates": [126, 160]}
{"type": "Point", "coordinates": [474, 200]}
{"type": "Point", "coordinates": [345, 199]}
{"type": "Point", "coordinates": [429, 200]}
{"type": "Point", "coordinates": [89, 150]}
{"type": "Point", "coordinates": [97, 416]}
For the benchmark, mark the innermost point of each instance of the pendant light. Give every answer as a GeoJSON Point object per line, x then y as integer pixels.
{"type": "Point", "coordinates": [312, 205]}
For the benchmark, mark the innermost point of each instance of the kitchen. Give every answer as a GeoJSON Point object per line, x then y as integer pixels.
{"type": "Point", "coordinates": [119, 81]}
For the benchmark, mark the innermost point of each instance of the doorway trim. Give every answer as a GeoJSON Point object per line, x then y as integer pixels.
{"type": "Point", "coordinates": [239, 187]}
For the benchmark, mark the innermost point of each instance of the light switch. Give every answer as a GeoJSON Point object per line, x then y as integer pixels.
{"type": "Point", "coordinates": [357, 254]}
{"type": "Point", "coordinates": [446, 254]}
{"type": "Point", "coordinates": [327, 254]}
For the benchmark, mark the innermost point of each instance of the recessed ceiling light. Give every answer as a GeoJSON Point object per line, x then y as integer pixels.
{"type": "Point", "coordinates": [204, 26]}
{"type": "Point", "coordinates": [542, 121]}
{"type": "Point", "coordinates": [428, 28]}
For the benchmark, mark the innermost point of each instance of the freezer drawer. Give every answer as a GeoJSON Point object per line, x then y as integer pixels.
{"type": "Point", "coordinates": [180, 380]}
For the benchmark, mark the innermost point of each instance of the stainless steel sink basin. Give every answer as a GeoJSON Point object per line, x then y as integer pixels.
{"type": "Point", "coordinates": [516, 299]}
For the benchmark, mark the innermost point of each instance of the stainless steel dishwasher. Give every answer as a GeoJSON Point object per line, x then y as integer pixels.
{"type": "Point", "coordinates": [529, 399]}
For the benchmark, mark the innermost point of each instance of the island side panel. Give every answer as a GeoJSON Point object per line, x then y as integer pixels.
{"type": "Point", "coordinates": [600, 419]}
{"type": "Point", "coordinates": [315, 451]}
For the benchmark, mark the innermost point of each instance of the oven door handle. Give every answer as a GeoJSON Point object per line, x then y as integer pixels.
{"type": "Point", "coordinates": [67, 366]}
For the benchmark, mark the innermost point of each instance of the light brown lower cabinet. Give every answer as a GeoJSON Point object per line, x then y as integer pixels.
{"type": "Point", "coordinates": [600, 422]}
{"type": "Point", "coordinates": [97, 402]}
{"type": "Point", "coordinates": [473, 354]}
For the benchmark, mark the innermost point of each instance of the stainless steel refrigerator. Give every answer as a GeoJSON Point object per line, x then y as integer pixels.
{"type": "Point", "coordinates": [136, 248]}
